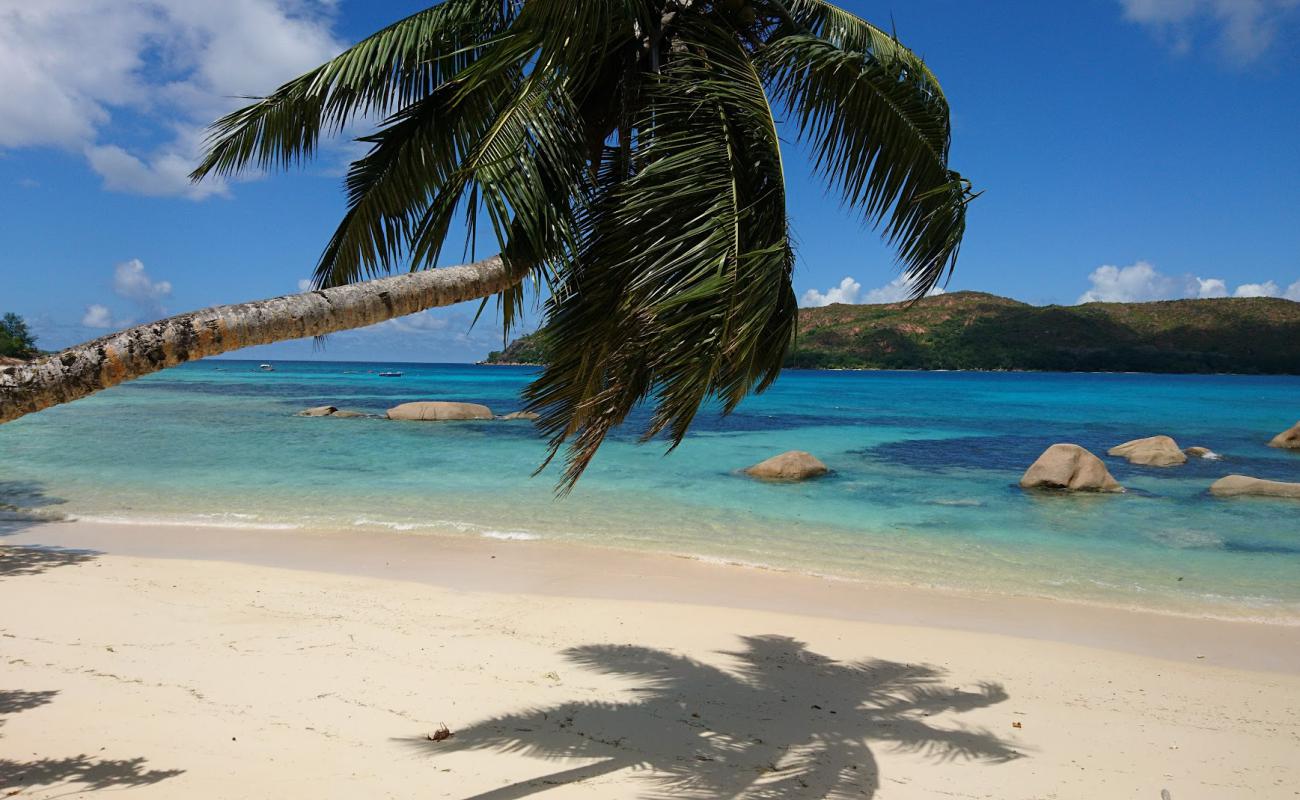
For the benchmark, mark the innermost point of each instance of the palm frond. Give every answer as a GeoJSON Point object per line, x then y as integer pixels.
{"type": "Point", "coordinates": [881, 134]}
{"type": "Point", "coordinates": [848, 31]}
{"type": "Point", "coordinates": [378, 76]}
{"type": "Point", "coordinates": [682, 290]}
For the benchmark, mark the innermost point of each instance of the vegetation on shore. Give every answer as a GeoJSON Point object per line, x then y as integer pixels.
{"type": "Point", "coordinates": [16, 339]}
{"type": "Point", "coordinates": [978, 331]}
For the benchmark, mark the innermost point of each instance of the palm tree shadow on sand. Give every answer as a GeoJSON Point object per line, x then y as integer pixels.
{"type": "Point", "coordinates": [68, 776]}
{"type": "Point", "coordinates": [785, 722]}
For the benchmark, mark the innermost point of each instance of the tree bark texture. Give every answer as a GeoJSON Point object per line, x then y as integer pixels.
{"type": "Point", "coordinates": [129, 354]}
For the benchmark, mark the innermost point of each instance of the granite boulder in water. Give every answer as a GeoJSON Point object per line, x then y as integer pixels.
{"type": "Point", "coordinates": [1154, 451]}
{"type": "Point", "coordinates": [1243, 485]}
{"type": "Point", "coordinates": [794, 465]}
{"type": "Point", "coordinates": [1069, 467]}
{"type": "Point", "coordinates": [1288, 439]}
{"type": "Point", "coordinates": [435, 411]}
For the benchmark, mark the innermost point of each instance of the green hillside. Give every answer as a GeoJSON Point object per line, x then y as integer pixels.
{"type": "Point", "coordinates": [973, 330]}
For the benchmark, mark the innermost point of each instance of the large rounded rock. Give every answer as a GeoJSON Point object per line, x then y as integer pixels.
{"type": "Point", "coordinates": [1242, 485]}
{"type": "Point", "coordinates": [430, 411]}
{"type": "Point", "coordinates": [1155, 451]}
{"type": "Point", "coordinates": [1201, 452]}
{"type": "Point", "coordinates": [795, 465]}
{"type": "Point", "coordinates": [1070, 467]}
{"type": "Point", "coordinates": [513, 415]}
{"type": "Point", "coordinates": [318, 411]}
{"type": "Point", "coordinates": [348, 414]}
{"type": "Point", "coordinates": [1287, 440]}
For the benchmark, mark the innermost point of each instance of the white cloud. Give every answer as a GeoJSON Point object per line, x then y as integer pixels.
{"type": "Point", "coordinates": [1211, 287]}
{"type": "Point", "coordinates": [424, 322]}
{"type": "Point", "coordinates": [1293, 292]}
{"type": "Point", "coordinates": [896, 291]}
{"type": "Point", "coordinates": [850, 292]}
{"type": "Point", "coordinates": [1141, 282]}
{"type": "Point", "coordinates": [97, 316]}
{"type": "Point", "coordinates": [1244, 29]}
{"type": "Point", "coordinates": [166, 173]}
{"type": "Point", "coordinates": [846, 292]}
{"type": "Point", "coordinates": [132, 282]}
{"type": "Point", "coordinates": [1137, 283]}
{"type": "Point", "coordinates": [74, 67]}
{"type": "Point", "coordinates": [1265, 289]}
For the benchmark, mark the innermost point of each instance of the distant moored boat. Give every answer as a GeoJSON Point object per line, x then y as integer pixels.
{"type": "Point", "coordinates": [266, 367]}
{"type": "Point", "coordinates": [390, 374]}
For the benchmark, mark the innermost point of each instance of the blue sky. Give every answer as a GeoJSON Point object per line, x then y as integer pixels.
{"type": "Point", "coordinates": [1128, 149]}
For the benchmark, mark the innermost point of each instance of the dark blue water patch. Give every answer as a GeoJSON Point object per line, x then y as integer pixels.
{"type": "Point", "coordinates": [1006, 453]}
{"type": "Point", "coordinates": [1261, 548]}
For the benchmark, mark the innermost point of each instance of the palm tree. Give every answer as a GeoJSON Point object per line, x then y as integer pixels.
{"type": "Point", "coordinates": [625, 154]}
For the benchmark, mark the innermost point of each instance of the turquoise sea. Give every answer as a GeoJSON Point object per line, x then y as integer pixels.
{"type": "Point", "coordinates": [923, 490]}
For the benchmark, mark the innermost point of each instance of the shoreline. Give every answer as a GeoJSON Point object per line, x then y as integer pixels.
{"type": "Point", "coordinates": [561, 675]}
{"type": "Point", "coordinates": [573, 570]}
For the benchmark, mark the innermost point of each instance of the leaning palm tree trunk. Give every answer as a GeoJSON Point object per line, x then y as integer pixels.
{"type": "Point", "coordinates": [129, 354]}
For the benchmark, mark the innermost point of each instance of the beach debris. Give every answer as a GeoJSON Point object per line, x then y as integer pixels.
{"type": "Point", "coordinates": [1017, 725]}
{"type": "Point", "coordinates": [437, 411]}
{"type": "Point", "coordinates": [792, 465]}
{"type": "Point", "coordinates": [442, 734]}
{"type": "Point", "coordinates": [1288, 439]}
{"type": "Point", "coordinates": [1153, 451]}
{"type": "Point", "coordinates": [1244, 485]}
{"type": "Point", "coordinates": [1071, 467]}
{"type": "Point", "coordinates": [1164, 795]}
{"type": "Point", "coordinates": [552, 676]}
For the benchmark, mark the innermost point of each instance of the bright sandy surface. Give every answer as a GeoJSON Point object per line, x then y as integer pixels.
{"type": "Point", "coordinates": [572, 674]}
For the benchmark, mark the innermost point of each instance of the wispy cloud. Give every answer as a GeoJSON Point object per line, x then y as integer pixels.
{"type": "Point", "coordinates": [1243, 30]}
{"type": "Point", "coordinates": [72, 66]}
{"type": "Point", "coordinates": [97, 316]}
{"type": "Point", "coordinates": [850, 292]}
{"type": "Point", "coordinates": [1142, 282]}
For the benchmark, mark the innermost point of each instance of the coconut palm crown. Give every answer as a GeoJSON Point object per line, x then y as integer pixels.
{"type": "Point", "coordinates": [626, 155]}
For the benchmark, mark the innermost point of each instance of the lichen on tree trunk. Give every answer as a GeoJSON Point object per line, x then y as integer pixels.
{"type": "Point", "coordinates": [90, 367]}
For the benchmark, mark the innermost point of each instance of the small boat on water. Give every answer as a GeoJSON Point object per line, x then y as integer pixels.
{"type": "Point", "coordinates": [266, 367]}
{"type": "Point", "coordinates": [390, 374]}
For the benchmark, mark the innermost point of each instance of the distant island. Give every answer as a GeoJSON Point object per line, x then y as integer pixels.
{"type": "Point", "coordinates": [979, 331]}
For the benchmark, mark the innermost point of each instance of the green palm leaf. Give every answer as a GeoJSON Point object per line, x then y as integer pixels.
{"type": "Point", "coordinates": [624, 153]}
{"type": "Point", "coordinates": [682, 291]}
{"type": "Point", "coordinates": [879, 129]}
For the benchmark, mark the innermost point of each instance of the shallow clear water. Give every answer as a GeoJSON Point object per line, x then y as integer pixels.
{"type": "Point", "coordinates": [923, 491]}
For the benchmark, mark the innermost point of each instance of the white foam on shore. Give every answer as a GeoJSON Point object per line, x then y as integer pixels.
{"type": "Point", "coordinates": [510, 536]}
{"type": "Point", "coordinates": [197, 521]}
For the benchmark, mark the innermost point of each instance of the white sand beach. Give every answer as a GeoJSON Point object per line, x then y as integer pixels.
{"type": "Point", "coordinates": [322, 664]}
